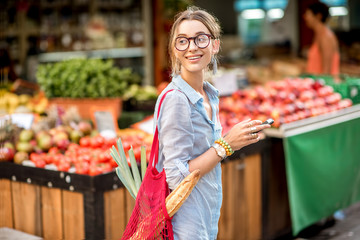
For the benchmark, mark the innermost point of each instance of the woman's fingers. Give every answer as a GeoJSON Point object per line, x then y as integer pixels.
{"type": "Point", "coordinates": [252, 123]}
{"type": "Point", "coordinates": [245, 133]}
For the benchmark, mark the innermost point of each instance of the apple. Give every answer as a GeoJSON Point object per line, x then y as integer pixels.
{"type": "Point", "coordinates": [306, 95]}
{"type": "Point", "coordinates": [26, 135]}
{"type": "Point", "coordinates": [9, 145]}
{"type": "Point", "coordinates": [45, 142]}
{"type": "Point", "coordinates": [325, 91]}
{"type": "Point", "coordinates": [20, 157]}
{"type": "Point", "coordinates": [40, 134]}
{"type": "Point", "coordinates": [75, 136]}
{"type": "Point", "coordinates": [344, 103]}
{"type": "Point", "coordinates": [319, 102]}
{"type": "Point", "coordinates": [24, 147]}
{"type": "Point", "coordinates": [62, 144]}
{"type": "Point", "coordinates": [317, 85]}
{"type": "Point", "coordinates": [59, 136]}
{"type": "Point", "coordinates": [85, 127]}
{"type": "Point", "coordinates": [6, 154]}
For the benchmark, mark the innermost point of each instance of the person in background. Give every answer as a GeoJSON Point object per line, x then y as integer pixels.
{"type": "Point", "coordinates": [6, 65]}
{"type": "Point", "coordinates": [189, 127]}
{"type": "Point", "coordinates": [323, 55]}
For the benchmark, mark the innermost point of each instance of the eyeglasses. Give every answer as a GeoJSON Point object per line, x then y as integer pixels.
{"type": "Point", "coordinates": [201, 41]}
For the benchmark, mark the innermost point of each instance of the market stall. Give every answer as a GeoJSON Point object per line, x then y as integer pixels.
{"type": "Point", "coordinates": [60, 204]}
{"type": "Point", "coordinates": [100, 65]}
{"type": "Point", "coordinates": [322, 165]}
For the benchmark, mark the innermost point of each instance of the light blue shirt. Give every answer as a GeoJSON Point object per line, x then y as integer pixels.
{"type": "Point", "coordinates": [185, 132]}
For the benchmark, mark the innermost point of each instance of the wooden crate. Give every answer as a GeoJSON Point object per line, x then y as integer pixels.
{"type": "Point", "coordinates": [59, 205]}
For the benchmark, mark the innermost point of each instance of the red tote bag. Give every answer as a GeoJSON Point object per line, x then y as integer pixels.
{"type": "Point", "coordinates": [149, 219]}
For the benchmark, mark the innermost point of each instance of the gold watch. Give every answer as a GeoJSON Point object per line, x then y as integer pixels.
{"type": "Point", "coordinates": [220, 150]}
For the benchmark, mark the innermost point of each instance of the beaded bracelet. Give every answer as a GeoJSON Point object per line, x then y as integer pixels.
{"type": "Point", "coordinates": [225, 145]}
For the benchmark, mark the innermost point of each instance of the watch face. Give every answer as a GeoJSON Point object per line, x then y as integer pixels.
{"type": "Point", "coordinates": [222, 151]}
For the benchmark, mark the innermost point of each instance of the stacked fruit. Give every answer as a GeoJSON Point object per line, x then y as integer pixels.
{"type": "Point", "coordinates": [285, 101]}
{"type": "Point", "coordinates": [80, 149]}
{"type": "Point", "coordinates": [24, 103]}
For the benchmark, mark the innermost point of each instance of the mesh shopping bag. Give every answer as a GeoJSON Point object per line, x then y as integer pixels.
{"type": "Point", "coordinates": [150, 219]}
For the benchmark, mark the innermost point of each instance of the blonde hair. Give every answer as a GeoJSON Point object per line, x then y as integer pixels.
{"type": "Point", "coordinates": [192, 13]}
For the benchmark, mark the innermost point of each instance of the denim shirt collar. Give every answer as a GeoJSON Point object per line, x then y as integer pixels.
{"type": "Point", "coordinates": [191, 94]}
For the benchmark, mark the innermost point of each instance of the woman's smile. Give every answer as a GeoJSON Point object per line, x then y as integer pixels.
{"type": "Point", "coordinates": [194, 58]}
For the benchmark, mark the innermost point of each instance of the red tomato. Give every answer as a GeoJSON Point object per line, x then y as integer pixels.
{"type": "Point", "coordinates": [84, 141]}
{"type": "Point", "coordinates": [94, 154]}
{"type": "Point", "coordinates": [113, 163]}
{"type": "Point", "coordinates": [84, 158]}
{"type": "Point", "coordinates": [70, 159]}
{"type": "Point", "coordinates": [137, 153]}
{"type": "Point", "coordinates": [49, 158]}
{"type": "Point", "coordinates": [126, 146]}
{"type": "Point", "coordinates": [53, 150]}
{"type": "Point", "coordinates": [40, 163]}
{"type": "Point", "coordinates": [57, 159]}
{"type": "Point", "coordinates": [100, 140]}
{"type": "Point", "coordinates": [82, 168]}
{"type": "Point", "coordinates": [35, 156]}
{"type": "Point", "coordinates": [83, 150]}
{"type": "Point", "coordinates": [73, 147]}
{"type": "Point", "coordinates": [97, 141]}
{"type": "Point", "coordinates": [148, 153]}
{"type": "Point", "coordinates": [94, 170]}
{"type": "Point", "coordinates": [104, 156]}
{"type": "Point", "coordinates": [104, 167]}
{"type": "Point", "coordinates": [63, 166]}
{"type": "Point", "coordinates": [71, 154]}
{"type": "Point", "coordinates": [110, 142]}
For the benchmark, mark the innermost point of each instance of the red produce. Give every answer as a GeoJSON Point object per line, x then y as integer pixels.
{"type": "Point", "coordinates": [7, 154]}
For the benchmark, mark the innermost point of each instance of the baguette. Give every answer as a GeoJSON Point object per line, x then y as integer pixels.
{"type": "Point", "coordinates": [173, 202]}
{"type": "Point", "coordinates": [177, 197]}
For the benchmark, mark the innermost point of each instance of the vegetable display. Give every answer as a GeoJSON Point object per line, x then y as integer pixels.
{"type": "Point", "coordinates": [85, 78]}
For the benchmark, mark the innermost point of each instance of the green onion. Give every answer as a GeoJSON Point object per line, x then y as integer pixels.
{"type": "Point", "coordinates": [134, 168]}
{"type": "Point", "coordinates": [123, 166]}
{"type": "Point", "coordinates": [122, 179]}
{"type": "Point", "coordinates": [130, 179]}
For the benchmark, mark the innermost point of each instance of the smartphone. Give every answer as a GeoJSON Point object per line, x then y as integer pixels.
{"type": "Point", "coordinates": [268, 121]}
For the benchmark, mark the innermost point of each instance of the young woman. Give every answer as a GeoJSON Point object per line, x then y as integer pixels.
{"type": "Point", "coordinates": [189, 127]}
{"type": "Point", "coordinates": [323, 55]}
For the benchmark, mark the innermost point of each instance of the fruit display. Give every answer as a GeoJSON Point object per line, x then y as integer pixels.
{"type": "Point", "coordinates": [79, 148]}
{"type": "Point", "coordinates": [284, 101]}
{"type": "Point", "coordinates": [23, 103]}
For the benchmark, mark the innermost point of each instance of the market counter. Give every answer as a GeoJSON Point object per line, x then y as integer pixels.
{"type": "Point", "coordinates": [61, 205]}
{"type": "Point", "coordinates": [302, 172]}
{"type": "Point", "coordinates": [322, 163]}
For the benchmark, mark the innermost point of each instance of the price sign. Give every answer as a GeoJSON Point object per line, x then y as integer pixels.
{"type": "Point", "coordinates": [22, 120]}
{"type": "Point", "coordinates": [226, 83]}
{"type": "Point", "coordinates": [147, 125]}
{"type": "Point", "coordinates": [104, 121]}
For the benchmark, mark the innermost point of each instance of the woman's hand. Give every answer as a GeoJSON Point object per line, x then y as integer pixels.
{"type": "Point", "coordinates": [244, 133]}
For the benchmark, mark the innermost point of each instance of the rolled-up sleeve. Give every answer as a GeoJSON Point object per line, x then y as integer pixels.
{"type": "Point", "coordinates": [176, 137]}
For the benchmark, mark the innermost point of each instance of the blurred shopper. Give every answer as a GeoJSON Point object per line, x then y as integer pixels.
{"type": "Point", "coordinates": [323, 55]}
{"type": "Point", "coordinates": [189, 127]}
{"type": "Point", "coordinates": [7, 72]}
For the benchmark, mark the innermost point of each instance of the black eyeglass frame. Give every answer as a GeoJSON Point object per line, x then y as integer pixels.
{"type": "Point", "coordinates": [193, 38]}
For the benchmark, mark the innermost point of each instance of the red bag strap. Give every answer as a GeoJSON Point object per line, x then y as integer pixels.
{"type": "Point", "coordinates": [154, 154]}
